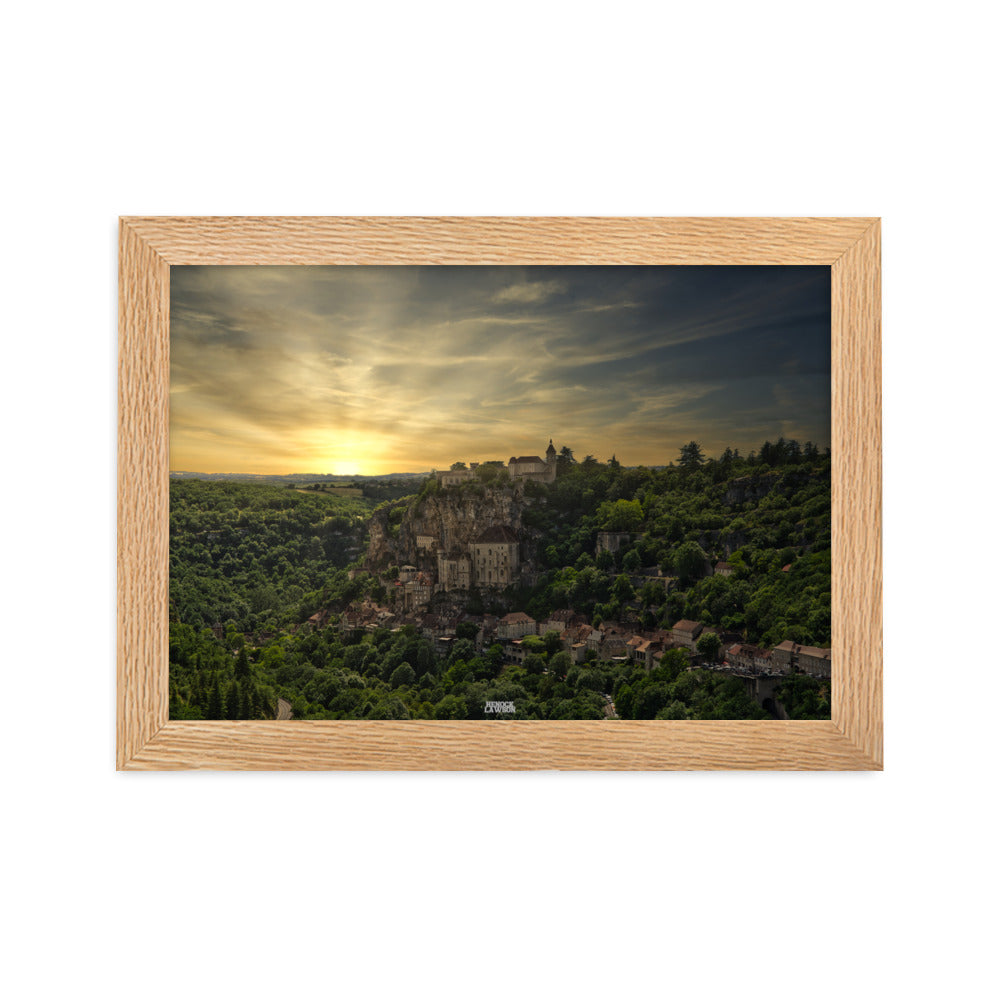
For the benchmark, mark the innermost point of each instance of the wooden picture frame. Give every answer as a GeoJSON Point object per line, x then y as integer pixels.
{"type": "Point", "coordinates": [147, 740]}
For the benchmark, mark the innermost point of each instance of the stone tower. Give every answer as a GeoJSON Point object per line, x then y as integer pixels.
{"type": "Point", "coordinates": [550, 454]}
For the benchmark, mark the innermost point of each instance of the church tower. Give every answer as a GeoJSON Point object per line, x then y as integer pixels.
{"type": "Point", "coordinates": [550, 454]}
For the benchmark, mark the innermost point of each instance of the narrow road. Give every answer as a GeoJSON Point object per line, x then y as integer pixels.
{"type": "Point", "coordinates": [284, 709]}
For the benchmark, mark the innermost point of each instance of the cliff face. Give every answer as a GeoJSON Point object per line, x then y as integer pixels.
{"type": "Point", "coordinates": [450, 520]}
{"type": "Point", "coordinates": [750, 488]}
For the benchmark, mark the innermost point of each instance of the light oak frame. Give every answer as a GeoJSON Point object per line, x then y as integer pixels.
{"type": "Point", "coordinates": [147, 740]}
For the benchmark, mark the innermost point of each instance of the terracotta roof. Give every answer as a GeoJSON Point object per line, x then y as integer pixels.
{"type": "Point", "coordinates": [820, 654]}
{"type": "Point", "coordinates": [517, 616]}
{"type": "Point", "coordinates": [686, 625]}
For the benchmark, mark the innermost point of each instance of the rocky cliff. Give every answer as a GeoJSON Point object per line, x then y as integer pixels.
{"type": "Point", "coordinates": [449, 519]}
{"type": "Point", "coordinates": [750, 488]}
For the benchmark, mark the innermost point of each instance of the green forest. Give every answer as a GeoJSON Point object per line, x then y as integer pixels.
{"type": "Point", "coordinates": [770, 510]}
{"type": "Point", "coordinates": [256, 556]}
{"type": "Point", "coordinates": [249, 565]}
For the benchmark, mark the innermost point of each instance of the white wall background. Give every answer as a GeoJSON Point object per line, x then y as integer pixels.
{"type": "Point", "coordinates": [497, 885]}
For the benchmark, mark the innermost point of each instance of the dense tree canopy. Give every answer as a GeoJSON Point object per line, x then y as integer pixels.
{"type": "Point", "coordinates": [770, 523]}
{"type": "Point", "coordinates": [250, 564]}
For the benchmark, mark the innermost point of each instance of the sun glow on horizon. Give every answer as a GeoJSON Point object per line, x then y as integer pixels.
{"type": "Point", "coordinates": [371, 371]}
{"type": "Point", "coordinates": [351, 455]}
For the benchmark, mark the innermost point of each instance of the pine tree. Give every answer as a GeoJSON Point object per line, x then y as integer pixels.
{"type": "Point", "coordinates": [242, 665]}
{"type": "Point", "coordinates": [232, 701]}
{"type": "Point", "coordinates": [691, 455]}
{"type": "Point", "coordinates": [246, 702]}
{"type": "Point", "coordinates": [215, 701]}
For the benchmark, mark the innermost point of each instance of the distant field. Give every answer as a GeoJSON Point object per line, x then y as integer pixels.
{"type": "Point", "coordinates": [337, 491]}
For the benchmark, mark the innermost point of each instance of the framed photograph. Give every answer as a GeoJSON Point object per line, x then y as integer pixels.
{"type": "Point", "coordinates": [499, 493]}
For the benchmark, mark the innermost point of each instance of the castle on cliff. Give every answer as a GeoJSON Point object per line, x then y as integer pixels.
{"type": "Point", "coordinates": [533, 467]}
{"type": "Point", "coordinates": [524, 469]}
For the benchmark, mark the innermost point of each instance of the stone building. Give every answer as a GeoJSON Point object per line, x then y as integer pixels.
{"type": "Point", "coordinates": [525, 467]}
{"type": "Point", "coordinates": [576, 635]}
{"type": "Point", "coordinates": [454, 477]}
{"type": "Point", "coordinates": [783, 656]}
{"type": "Point", "coordinates": [516, 625]}
{"type": "Point", "coordinates": [811, 660]}
{"type": "Point", "coordinates": [814, 661]}
{"type": "Point", "coordinates": [748, 659]}
{"type": "Point", "coordinates": [495, 559]}
{"type": "Point", "coordinates": [531, 467]}
{"type": "Point", "coordinates": [608, 640]}
{"type": "Point", "coordinates": [416, 589]}
{"type": "Point", "coordinates": [454, 571]}
{"type": "Point", "coordinates": [643, 650]}
{"type": "Point", "coordinates": [426, 542]}
{"type": "Point", "coordinates": [558, 621]}
{"type": "Point", "coordinates": [686, 632]}
{"type": "Point", "coordinates": [491, 561]}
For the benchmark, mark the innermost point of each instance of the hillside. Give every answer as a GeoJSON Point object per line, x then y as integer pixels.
{"type": "Point", "coordinates": [257, 556]}
{"type": "Point", "coordinates": [347, 611]}
{"type": "Point", "coordinates": [770, 525]}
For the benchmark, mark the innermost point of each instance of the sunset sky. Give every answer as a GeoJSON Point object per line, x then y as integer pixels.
{"type": "Point", "coordinates": [370, 370]}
